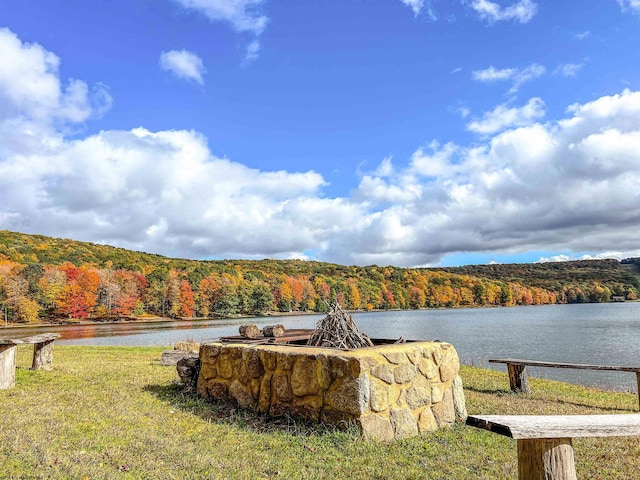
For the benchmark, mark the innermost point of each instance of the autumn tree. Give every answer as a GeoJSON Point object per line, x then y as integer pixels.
{"type": "Point", "coordinates": [187, 302]}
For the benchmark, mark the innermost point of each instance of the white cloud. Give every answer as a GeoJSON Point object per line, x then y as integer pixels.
{"type": "Point", "coordinates": [515, 75]}
{"type": "Point", "coordinates": [184, 64]}
{"type": "Point", "coordinates": [243, 15]}
{"type": "Point", "coordinates": [599, 256]}
{"type": "Point", "coordinates": [569, 185]}
{"type": "Point", "coordinates": [30, 88]}
{"type": "Point", "coordinates": [492, 74]}
{"type": "Point", "coordinates": [568, 69]}
{"type": "Point", "coordinates": [522, 11]}
{"type": "Point", "coordinates": [503, 117]}
{"type": "Point", "coordinates": [415, 5]}
{"type": "Point", "coordinates": [252, 52]}
{"type": "Point", "coordinates": [629, 5]}
{"type": "Point", "coordinates": [583, 35]}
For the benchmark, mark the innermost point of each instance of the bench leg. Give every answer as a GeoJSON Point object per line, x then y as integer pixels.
{"type": "Point", "coordinates": [546, 459]}
{"type": "Point", "coordinates": [638, 383]}
{"type": "Point", "coordinates": [42, 356]}
{"type": "Point", "coordinates": [518, 378]}
{"type": "Point", "coordinates": [7, 366]}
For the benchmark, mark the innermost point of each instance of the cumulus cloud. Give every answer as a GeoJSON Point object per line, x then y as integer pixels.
{"type": "Point", "coordinates": [522, 11]}
{"type": "Point", "coordinates": [244, 16]}
{"type": "Point", "coordinates": [568, 69]}
{"type": "Point", "coordinates": [568, 185]}
{"type": "Point", "coordinates": [565, 185]}
{"type": "Point", "coordinates": [184, 64]}
{"type": "Point", "coordinates": [632, 6]}
{"type": "Point", "coordinates": [415, 5]}
{"type": "Point", "coordinates": [503, 117]}
{"type": "Point", "coordinates": [517, 76]}
{"type": "Point", "coordinates": [421, 7]}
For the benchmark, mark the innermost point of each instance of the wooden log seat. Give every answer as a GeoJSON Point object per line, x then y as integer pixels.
{"type": "Point", "coordinates": [42, 356]}
{"type": "Point", "coordinates": [519, 378]}
{"type": "Point", "coordinates": [545, 449]}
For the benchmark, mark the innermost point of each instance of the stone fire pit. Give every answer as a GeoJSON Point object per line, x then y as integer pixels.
{"type": "Point", "coordinates": [389, 391]}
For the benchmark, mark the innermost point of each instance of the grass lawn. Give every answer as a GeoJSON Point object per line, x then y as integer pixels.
{"type": "Point", "coordinates": [115, 412]}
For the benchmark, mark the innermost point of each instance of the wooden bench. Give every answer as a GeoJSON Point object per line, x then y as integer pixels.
{"type": "Point", "coordinates": [519, 378]}
{"type": "Point", "coordinates": [42, 356]}
{"type": "Point", "coordinates": [545, 449]}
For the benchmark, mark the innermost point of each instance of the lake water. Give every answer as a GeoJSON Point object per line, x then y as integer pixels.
{"type": "Point", "coordinates": [607, 334]}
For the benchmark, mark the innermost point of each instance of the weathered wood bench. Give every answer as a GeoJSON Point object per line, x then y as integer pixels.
{"type": "Point", "coordinates": [519, 378]}
{"type": "Point", "coordinates": [545, 448]}
{"type": "Point", "coordinates": [42, 356]}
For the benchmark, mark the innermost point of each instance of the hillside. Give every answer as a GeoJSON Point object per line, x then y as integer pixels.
{"type": "Point", "coordinates": [554, 275]}
{"type": "Point", "coordinates": [43, 277]}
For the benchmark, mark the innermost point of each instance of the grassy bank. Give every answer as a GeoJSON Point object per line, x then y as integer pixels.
{"type": "Point", "coordinates": [110, 412]}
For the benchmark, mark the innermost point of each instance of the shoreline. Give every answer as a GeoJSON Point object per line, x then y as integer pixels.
{"type": "Point", "coordinates": [81, 323]}
{"type": "Point", "coordinates": [153, 319]}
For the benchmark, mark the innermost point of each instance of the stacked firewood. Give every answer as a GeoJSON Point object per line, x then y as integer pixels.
{"type": "Point", "coordinates": [338, 330]}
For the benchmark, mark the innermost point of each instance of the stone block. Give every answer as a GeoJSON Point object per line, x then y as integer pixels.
{"type": "Point", "coordinates": [284, 360]}
{"type": "Point", "coordinates": [304, 377]}
{"type": "Point", "coordinates": [349, 395]}
{"type": "Point", "coordinates": [383, 372]}
{"type": "Point", "coordinates": [419, 394]}
{"type": "Point", "coordinates": [281, 387]}
{"type": "Point", "coordinates": [241, 394]}
{"type": "Point", "coordinates": [264, 396]}
{"type": "Point", "coordinates": [268, 359]}
{"type": "Point", "coordinates": [208, 371]}
{"type": "Point", "coordinates": [403, 422]}
{"type": "Point", "coordinates": [396, 357]}
{"type": "Point", "coordinates": [428, 368]}
{"type": "Point", "coordinates": [437, 355]}
{"type": "Point", "coordinates": [325, 376]}
{"type": "Point", "coordinates": [426, 421]}
{"type": "Point", "coordinates": [377, 428]}
{"type": "Point", "coordinates": [255, 367]}
{"type": "Point", "coordinates": [437, 392]}
{"type": "Point", "coordinates": [307, 408]}
{"type": "Point", "coordinates": [367, 362]}
{"type": "Point", "coordinates": [414, 355]}
{"type": "Point", "coordinates": [404, 373]}
{"type": "Point", "coordinates": [338, 366]}
{"type": "Point", "coordinates": [380, 398]}
{"type": "Point", "coordinates": [215, 389]}
{"type": "Point", "coordinates": [209, 352]}
{"type": "Point", "coordinates": [449, 366]}
{"type": "Point", "coordinates": [459, 402]}
{"type": "Point", "coordinates": [225, 366]}
{"type": "Point", "coordinates": [444, 411]}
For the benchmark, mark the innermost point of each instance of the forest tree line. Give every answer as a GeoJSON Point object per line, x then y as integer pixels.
{"type": "Point", "coordinates": [31, 292]}
{"type": "Point", "coordinates": [47, 278]}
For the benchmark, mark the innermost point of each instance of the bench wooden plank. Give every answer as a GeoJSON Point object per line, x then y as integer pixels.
{"type": "Point", "coordinates": [40, 338]}
{"type": "Point", "coordinates": [583, 366]}
{"type": "Point", "coordinates": [558, 426]}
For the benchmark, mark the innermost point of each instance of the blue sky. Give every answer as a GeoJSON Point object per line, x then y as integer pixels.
{"type": "Point", "coordinates": [404, 132]}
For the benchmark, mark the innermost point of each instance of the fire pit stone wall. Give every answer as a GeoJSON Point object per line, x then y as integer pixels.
{"type": "Point", "coordinates": [389, 391]}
